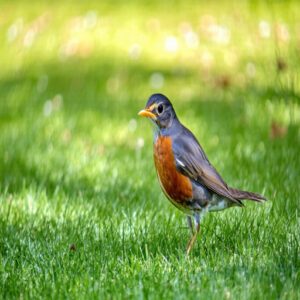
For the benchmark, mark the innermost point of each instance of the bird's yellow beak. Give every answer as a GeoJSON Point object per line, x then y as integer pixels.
{"type": "Point", "coordinates": [147, 113]}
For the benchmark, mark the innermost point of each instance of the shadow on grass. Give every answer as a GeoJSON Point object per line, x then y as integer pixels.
{"type": "Point", "coordinates": [111, 84]}
{"type": "Point", "coordinates": [85, 87]}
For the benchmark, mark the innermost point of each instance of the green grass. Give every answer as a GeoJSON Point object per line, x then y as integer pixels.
{"type": "Point", "coordinates": [81, 213]}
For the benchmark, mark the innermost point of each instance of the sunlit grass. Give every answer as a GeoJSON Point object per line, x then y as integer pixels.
{"type": "Point", "coordinates": [81, 211]}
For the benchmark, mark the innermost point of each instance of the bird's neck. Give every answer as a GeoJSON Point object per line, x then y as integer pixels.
{"type": "Point", "coordinates": [167, 131]}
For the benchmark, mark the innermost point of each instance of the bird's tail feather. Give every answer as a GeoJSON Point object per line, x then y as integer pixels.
{"type": "Point", "coordinates": [240, 195]}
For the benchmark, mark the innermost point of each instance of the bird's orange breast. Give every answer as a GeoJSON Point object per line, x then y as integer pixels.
{"type": "Point", "coordinates": [176, 186]}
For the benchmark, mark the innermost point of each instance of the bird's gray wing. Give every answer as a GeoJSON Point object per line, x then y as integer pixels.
{"type": "Point", "coordinates": [191, 161]}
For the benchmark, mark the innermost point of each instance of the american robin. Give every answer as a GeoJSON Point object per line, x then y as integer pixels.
{"type": "Point", "coordinates": [185, 174]}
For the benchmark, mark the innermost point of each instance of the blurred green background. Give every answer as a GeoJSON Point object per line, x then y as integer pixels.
{"type": "Point", "coordinates": [81, 211]}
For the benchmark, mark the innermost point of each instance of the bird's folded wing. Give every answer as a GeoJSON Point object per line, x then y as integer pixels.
{"type": "Point", "coordinates": [191, 161]}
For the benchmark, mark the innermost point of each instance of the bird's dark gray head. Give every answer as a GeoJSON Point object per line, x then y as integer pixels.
{"type": "Point", "coordinates": [160, 110]}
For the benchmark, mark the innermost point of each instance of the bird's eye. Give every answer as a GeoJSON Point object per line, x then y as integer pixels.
{"type": "Point", "coordinates": [160, 109]}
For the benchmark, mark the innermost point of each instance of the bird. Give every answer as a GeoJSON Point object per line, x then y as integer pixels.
{"type": "Point", "coordinates": [185, 174]}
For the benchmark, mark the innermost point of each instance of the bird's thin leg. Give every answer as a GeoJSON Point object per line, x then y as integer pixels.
{"type": "Point", "coordinates": [194, 237]}
{"type": "Point", "coordinates": [190, 224]}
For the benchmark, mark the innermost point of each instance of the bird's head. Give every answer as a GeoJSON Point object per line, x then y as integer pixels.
{"type": "Point", "coordinates": [159, 110]}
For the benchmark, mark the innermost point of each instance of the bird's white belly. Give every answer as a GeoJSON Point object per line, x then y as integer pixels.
{"type": "Point", "coordinates": [220, 205]}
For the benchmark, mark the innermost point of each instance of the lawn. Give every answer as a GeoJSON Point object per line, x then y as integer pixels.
{"type": "Point", "coordinates": [82, 215]}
